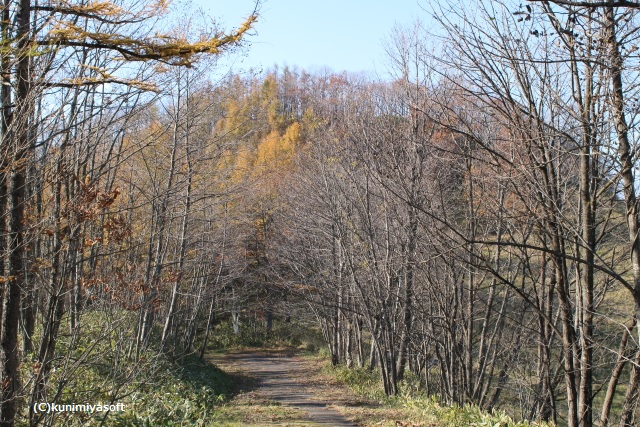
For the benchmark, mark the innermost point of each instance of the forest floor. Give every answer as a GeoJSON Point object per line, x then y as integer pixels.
{"type": "Point", "coordinates": [280, 388]}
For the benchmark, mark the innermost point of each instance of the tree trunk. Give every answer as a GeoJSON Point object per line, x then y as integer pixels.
{"type": "Point", "coordinates": [19, 152]}
{"type": "Point", "coordinates": [629, 190]}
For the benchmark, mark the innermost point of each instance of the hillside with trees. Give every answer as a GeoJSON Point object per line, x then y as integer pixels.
{"type": "Point", "coordinates": [468, 225]}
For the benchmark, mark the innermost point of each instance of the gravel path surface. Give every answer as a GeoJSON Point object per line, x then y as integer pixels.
{"type": "Point", "coordinates": [287, 380]}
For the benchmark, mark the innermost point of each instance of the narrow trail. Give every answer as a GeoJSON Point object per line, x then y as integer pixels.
{"type": "Point", "coordinates": [288, 382]}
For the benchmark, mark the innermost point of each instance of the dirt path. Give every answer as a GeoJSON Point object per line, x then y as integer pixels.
{"type": "Point", "coordinates": [286, 391]}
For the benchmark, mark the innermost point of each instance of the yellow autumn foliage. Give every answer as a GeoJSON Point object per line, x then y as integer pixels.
{"type": "Point", "coordinates": [276, 152]}
{"type": "Point", "coordinates": [243, 165]}
{"type": "Point", "coordinates": [174, 48]}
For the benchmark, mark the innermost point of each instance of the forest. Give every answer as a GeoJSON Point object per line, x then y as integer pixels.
{"type": "Point", "coordinates": [469, 222]}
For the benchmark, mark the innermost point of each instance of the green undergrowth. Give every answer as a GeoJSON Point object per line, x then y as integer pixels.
{"type": "Point", "coordinates": [254, 334]}
{"type": "Point", "coordinates": [430, 410]}
{"type": "Point", "coordinates": [184, 393]}
{"type": "Point", "coordinates": [364, 382]}
{"type": "Point", "coordinates": [98, 365]}
{"type": "Point", "coordinates": [417, 408]}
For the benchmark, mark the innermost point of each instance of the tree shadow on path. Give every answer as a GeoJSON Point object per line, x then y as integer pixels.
{"type": "Point", "coordinates": [287, 380]}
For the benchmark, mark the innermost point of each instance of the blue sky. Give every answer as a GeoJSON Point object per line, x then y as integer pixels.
{"type": "Point", "coordinates": [338, 34]}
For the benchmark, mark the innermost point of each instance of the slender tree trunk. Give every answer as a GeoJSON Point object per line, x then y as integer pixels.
{"type": "Point", "coordinates": [18, 140]}
{"type": "Point", "coordinates": [148, 307]}
{"type": "Point", "coordinates": [629, 190]}
{"type": "Point", "coordinates": [211, 318]}
{"type": "Point", "coordinates": [55, 306]}
{"type": "Point", "coordinates": [407, 315]}
{"type": "Point", "coordinates": [183, 244]}
{"type": "Point", "coordinates": [5, 153]}
{"type": "Point", "coordinates": [615, 376]}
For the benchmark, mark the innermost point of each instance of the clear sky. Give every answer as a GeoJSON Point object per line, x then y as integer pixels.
{"type": "Point", "coordinates": [314, 34]}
